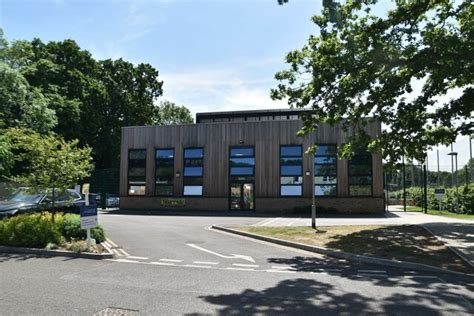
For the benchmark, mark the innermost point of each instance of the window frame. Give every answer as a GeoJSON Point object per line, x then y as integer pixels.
{"type": "Point", "coordinates": [173, 173]}
{"type": "Point", "coordinates": [294, 175]}
{"type": "Point", "coordinates": [128, 172]}
{"type": "Point", "coordinates": [193, 177]}
{"type": "Point", "coordinates": [371, 175]}
{"type": "Point", "coordinates": [335, 175]}
{"type": "Point", "coordinates": [244, 156]}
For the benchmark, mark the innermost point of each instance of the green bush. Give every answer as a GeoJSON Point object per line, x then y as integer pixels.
{"type": "Point", "coordinates": [465, 194]}
{"type": "Point", "coordinates": [31, 230]}
{"type": "Point", "coordinates": [71, 229]}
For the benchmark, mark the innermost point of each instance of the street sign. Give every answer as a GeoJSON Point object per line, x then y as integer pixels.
{"type": "Point", "coordinates": [88, 216]}
{"type": "Point", "coordinates": [440, 193]}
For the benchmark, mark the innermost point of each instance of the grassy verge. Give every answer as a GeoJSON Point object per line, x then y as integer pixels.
{"type": "Point", "coordinates": [441, 213]}
{"type": "Point", "coordinates": [406, 242]}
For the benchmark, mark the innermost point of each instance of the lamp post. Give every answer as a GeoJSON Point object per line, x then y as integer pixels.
{"type": "Point", "coordinates": [455, 155]}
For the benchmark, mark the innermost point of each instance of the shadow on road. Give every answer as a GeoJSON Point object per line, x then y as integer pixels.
{"type": "Point", "coordinates": [312, 297]}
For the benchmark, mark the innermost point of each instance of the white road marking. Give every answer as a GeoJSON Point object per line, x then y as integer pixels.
{"type": "Point", "coordinates": [126, 260]}
{"type": "Point", "coordinates": [266, 224]}
{"type": "Point", "coordinates": [421, 276]}
{"type": "Point", "coordinates": [162, 263]}
{"type": "Point", "coordinates": [239, 269]}
{"type": "Point", "coordinates": [245, 265]}
{"type": "Point", "coordinates": [205, 262]}
{"type": "Point", "coordinates": [232, 256]}
{"type": "Point", "coordinates": [139, 258]}
{"type": "Point", "coordinates": [281, 271]}
{"type": "Point", "coordinates": [119, 250]}
{"type": "Point", "coordinates": [196, 266]}
{"type": "Point", "coordinates": [372, 271]}
{"type": "Point", "coordinates": [261, 222]}
{"type": "Point", "coordinates": [283, 268]}
{"type": "Point", "coordinates": [171, 260]}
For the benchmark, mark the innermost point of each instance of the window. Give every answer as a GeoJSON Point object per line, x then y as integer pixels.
{"type": "Point", "coordinates": [193, 171]}
{"type": "Point", "coordinates": [242, 161]}
{"type": "Point", "coordinates": [360, 174]}
{"type": "Point", "coordinates": [136, 171]}
{"type": "Point", "coordinates": [325, 170]}
{"type": "Point", "coordinates": [291, 170]}
{"type": "Point", "coordinates": [164, 172]}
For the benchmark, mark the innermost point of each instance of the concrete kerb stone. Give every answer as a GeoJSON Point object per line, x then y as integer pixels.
{"type": "Point", "coordinates": [341, 254]}
{"type": "Point", "coordinates": [57, 253]}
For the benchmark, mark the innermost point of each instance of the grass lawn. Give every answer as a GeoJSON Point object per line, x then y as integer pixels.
{"type": "Point", "coordinates": [441, 213]}
{"type": "Point", "coordinates": [405, 242]}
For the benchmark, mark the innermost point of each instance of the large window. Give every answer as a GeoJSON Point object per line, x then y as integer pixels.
{"type": "Point", "coordinates": [193, 171]}
{"type": "Point", "coordinates": [164, 172]}
{"type": "Point", "coordinates": [242, 161]}
{"type": "Point", "coordinates": [291, 170]}
{"type": "Point", "coordinates": [136, 171]}
{"type": "Point", "coordinates": [325, 170]}
{"type": "Point", "coordinates": [360, 175]}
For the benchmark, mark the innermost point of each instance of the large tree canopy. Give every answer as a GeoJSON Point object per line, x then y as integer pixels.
{"type": "Point", "coordinates": [412, 69]}
{"type": "Point", "coordinates": [58, 87]}
{"type": "Point", "coordinates": [171, 114]}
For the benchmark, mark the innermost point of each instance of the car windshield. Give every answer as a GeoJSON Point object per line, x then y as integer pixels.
{"type": "Point", "coordinates": [23, 196]}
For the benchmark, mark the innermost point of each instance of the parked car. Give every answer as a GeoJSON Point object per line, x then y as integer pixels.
{"type": "Point", "coordinates": [111, 200]}
{"type": "Point", "coordinates": [24, 200]}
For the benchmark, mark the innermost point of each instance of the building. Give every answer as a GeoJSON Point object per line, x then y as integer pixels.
{"type": "Point", "coordinates": [246, 160]}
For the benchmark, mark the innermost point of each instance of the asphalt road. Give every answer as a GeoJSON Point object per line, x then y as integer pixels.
{"type": "Point", "coordinates": [172, 265]}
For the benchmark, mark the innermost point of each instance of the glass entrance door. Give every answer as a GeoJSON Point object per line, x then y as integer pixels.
{"type": "Point", "coordinates": [242, 196]}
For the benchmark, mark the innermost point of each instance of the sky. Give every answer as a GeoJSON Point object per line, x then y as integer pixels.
{"type": "Point", "coordinates": [212, 55]}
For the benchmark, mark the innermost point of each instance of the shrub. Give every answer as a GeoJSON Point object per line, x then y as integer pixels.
{"type": "Point", "coordinates": [71, 229]}
{"type": "Point", "coordinates": [31, 230]}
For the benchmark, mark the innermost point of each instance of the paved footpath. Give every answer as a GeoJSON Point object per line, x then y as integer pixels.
{"type": "Point", "coordinates": [455, 233]}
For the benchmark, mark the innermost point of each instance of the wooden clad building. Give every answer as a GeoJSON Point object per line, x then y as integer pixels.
{"type": "Point", "coordinates": [248, 160]}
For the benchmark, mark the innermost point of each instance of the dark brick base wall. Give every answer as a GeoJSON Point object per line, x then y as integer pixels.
{"type": "Point", "coordinates": [290, 205]}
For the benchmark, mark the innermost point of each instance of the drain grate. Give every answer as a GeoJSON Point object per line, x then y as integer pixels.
{"type": "Point", "coordinates": [114, 311]}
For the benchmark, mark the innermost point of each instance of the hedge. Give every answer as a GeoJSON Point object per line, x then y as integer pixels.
{"type": "Point", "coordinates": [465, 193]}
{"type": "Point", "coordinates": [38, 230]}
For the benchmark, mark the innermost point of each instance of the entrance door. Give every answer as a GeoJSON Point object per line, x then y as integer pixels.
{"type": "Point", "coordinates": [242, 196]}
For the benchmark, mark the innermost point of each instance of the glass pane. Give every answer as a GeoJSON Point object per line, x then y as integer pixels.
{"type": "Point", "coordinates": [193, 171]}
{"type": "Point", "coordinates": [325, 180]}
{"type": "Point", "coordinates": [360, 170]}
{"type": "Point", "coordinates": [165, 172]}
{"type": "Point", "coordinates": [137, 154]}
{"type": "Point", "coordinates": [165, 153]}
{"type": "Point", "coordinates": [193, 162]}
{"type": "Point", "coordinates": [136, 172]}
{"type": "Point", "coordinates": [164, 190]}
{"type": "Point", "coordinates": [325, 170]}
{"type": "Point", "coordinates": [235, 190]}
{"type": "Point", "coordinates": [241, 151]}
{"type": "Point", "coordinates": [291, 190]}
{"type": "Point", "coordinates": [242, 162]}
{"type": "Point", "coordinates": [193, 153]}
{"type": "Point", "coordinates": [193, 181]}
{"type": "Point", "coordinates": [325, 150]}
{"type": "Point", "coordinates": [136, 190]}
{"type": "Point", "coordinates": [192, 190]}
{"type": "Point", "coordinates": [290, 151]}
{"type": "Point", "coordinates": [248, 196]}
{"type": "Point", "coordinates": [241, 170]}
{"type": "Point", "coordinates": [325, 160]}
{"type": "Point", "coordinates": [325, 190]}
{"type": "Point", "coordinates": [291, 170]}
{"type": "Point", "coordinates": [291, 161]}
{"type": "Point", "coordinates": [355, 190]}
{"type": "Point", "coordinates": [291, 180]}
{"type": "Point", "coordinates": [361, 159]}
{"type": "Point", "coordinates": [360, 180]}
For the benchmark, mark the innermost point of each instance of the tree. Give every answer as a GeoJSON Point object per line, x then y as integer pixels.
{"type": "Point", "coordinates": [412, 70]}
{"type": "Point", "coordinates": [171, 114]}
{"type": "Point", "coordinates": [48, 162]}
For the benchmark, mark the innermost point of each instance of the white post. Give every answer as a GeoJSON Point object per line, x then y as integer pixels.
{"type": "Point", "coordinates": [88, 230]}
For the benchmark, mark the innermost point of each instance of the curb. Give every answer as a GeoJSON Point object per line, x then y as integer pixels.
{"type": "Point", "coordinates": [453, 249]}
{"type": "Point", "coordinates": [57, 253]}
{"type": "Point", "coordinates": [341, 254]}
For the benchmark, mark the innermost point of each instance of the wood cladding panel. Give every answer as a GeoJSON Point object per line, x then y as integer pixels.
{"type": "Point", "coordinates": [216, 138]}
